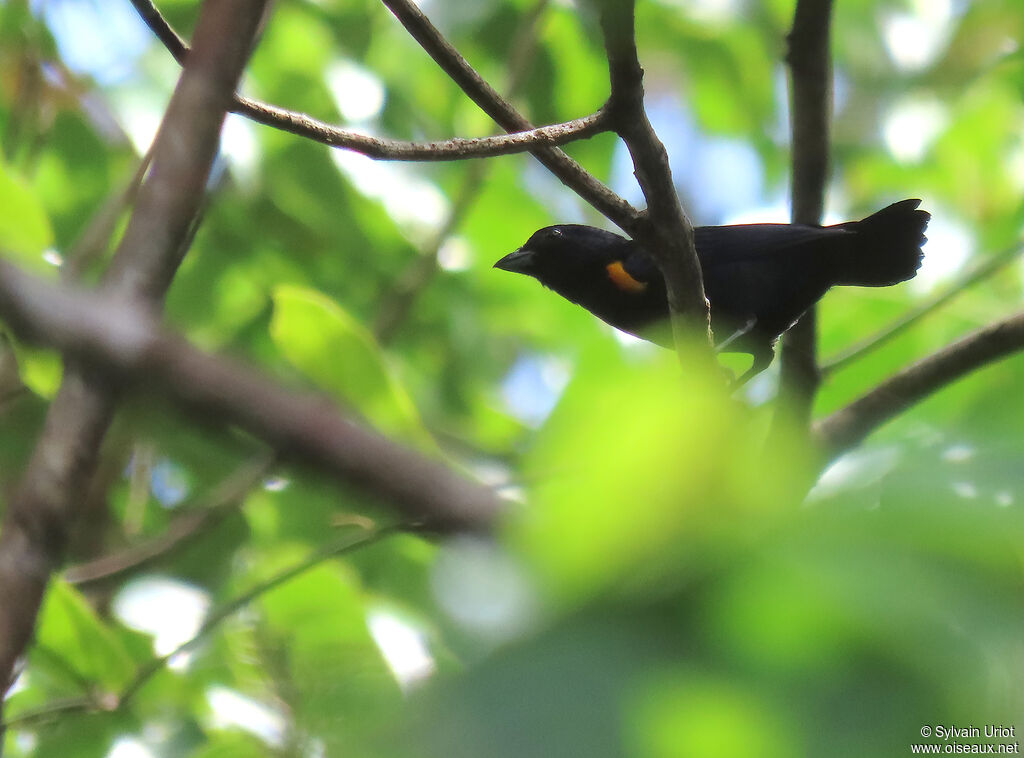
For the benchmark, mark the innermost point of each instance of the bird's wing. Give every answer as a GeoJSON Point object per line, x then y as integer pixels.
{"type": "Point", "coordinates": [745, 242]}
{"type": "Point", "coordinates": [727, 245]}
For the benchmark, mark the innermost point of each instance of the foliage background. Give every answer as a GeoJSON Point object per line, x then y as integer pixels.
{"type": "Point", "coordinates": [664, 593]}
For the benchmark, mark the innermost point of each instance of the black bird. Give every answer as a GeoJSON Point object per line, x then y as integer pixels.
{"type": "Point", "coordinates": [759, 278]}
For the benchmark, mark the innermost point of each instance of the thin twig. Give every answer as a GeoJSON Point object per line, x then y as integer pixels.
{"type": "Point", "coordinates": [220, 614]}
{"type": "Point", "coordinates": [413, 280]}
{"type": "Point", "coordinates": [979, 273]}
{"type": "Point", "coordinates": [111, 702]}
{"type": "Point", "coordinates": [848, 426]}
{"type": "Point", "coordinates": [152, 17]}
{"type": "Point", "coordinates": [93, 241]}
{"type": "Point", "coordinates": [143, 459]}
{"type": "Point", "coordinates": [192, 523]}
{"type": "Point", "coordinates": [48, 711]}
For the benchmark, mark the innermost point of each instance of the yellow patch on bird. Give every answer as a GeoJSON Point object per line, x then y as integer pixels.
{"type": "Point", "coordinates": [621, 279]}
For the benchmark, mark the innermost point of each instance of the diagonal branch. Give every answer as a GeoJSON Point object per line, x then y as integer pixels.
{"type": "Point", "coordinates": [571, 173]}
{"type": "Point", "coordinates": [112, 701]}
{"type": "Point", "coordinates": [47, 498]}
{"type": "Point", "coordinates": [193, 522]}
{"type": "Point", "coordinates": [667, 233]}
{"type": "Point", "coordinates": [911, 317]}
{"type": "Point", "coordinates": [95, 238]}
{"type": "Point", "coordinates": [347, 544]}
{"type": "Point", "coordinates": [123, 342]}
{"type": "Point", "coordinates": [810, 66]}
{"type": "Point", "coordinates": [164, 32]}
{"type": "Point", "coordinates": [397, 303]}
{"type": "Point", "coordinates": [848, 426]}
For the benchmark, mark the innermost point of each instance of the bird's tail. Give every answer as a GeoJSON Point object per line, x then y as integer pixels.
{"type": "Point", "coordinates": [887, 246]}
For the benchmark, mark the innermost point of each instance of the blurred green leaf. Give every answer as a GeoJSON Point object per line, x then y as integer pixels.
{"type": "Point", "coordinates": [81, 735]}
{"type": "Point", "coordinates": [693, 715]}
{"type": "Point", "coordinates": [25, 229]}
{"type": "Point", "coordinates": [231, 744]}
{"type": "Point", "coordinates": [341, 356]}
{"type": "Point", "coordinates": [40, 370]}
{"type": "Point", "coordinates": [343, 689]}
{"type": "Point", "coordinates": [91, 649]}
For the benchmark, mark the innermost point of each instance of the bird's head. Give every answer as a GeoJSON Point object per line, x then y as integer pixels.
{"type": "Point", "coordinates": [609, 275]}
{"type": "Point", "coordinates": [572, 259]}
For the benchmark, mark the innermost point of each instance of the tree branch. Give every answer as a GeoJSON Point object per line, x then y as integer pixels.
{"type": "Point", "coordinates": [810, 66]}
{"type": "Point", "coordinates": [125, 342]}
{"type": "Point", "coordinates": [521, 139]}
{"type": "Point", "coordinates": [667, 233]}
{"type": "Point", "coordinates": [164, 32]}
{"type": "Point", "coordinates": [571, 173]}
{"type": "Point", "coordinates": [848, 426]}
{"type": "Point", "coordinates": [44, 504]}
{"type": "Point", "coordinates": [454, 149]}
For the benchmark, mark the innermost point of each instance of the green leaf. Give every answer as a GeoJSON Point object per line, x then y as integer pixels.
{"type": "Point", "coordinates": [81, 735]}
{"type": "Point", "coordinates": [89, 648]}
{"type": "Point", "coordinates": [340, 355]}
{"type": "Point", "coordinates": [231, 744]}
{"type": "Point", "coordinates": [25, 229]}
{"type": "Point", "coordinates": [690, 714]}
{"type": "Point", "coordinates": [41, 370]}
{"type": "Point", "coordinates": [344, 690]}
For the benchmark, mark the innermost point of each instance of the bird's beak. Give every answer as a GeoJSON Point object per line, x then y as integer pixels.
{"type": "Point", "coordinates": [520, 261]}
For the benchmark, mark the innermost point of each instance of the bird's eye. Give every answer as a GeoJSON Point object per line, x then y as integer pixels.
{"type": "Point", "coordinates": [556, 232]}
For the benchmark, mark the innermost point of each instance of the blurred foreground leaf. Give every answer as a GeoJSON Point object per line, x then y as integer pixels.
{"type": "Point", "coordinates": [643, 469]}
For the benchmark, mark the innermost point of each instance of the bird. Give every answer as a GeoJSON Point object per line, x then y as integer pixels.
{"type": "Point", "coordinates": [758, 278]}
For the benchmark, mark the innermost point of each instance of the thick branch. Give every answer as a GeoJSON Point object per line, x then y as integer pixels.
{"type": "Point", "coordinates": [810, 67]}
{"type": "Point", "coordinates": [35, 524]}
{"type": "Point", "coordinates": [849, 426]}
{"type": "Point", "coordinates": [124, 342]}
{"type": "Point", "coordinates": [668, 233]}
